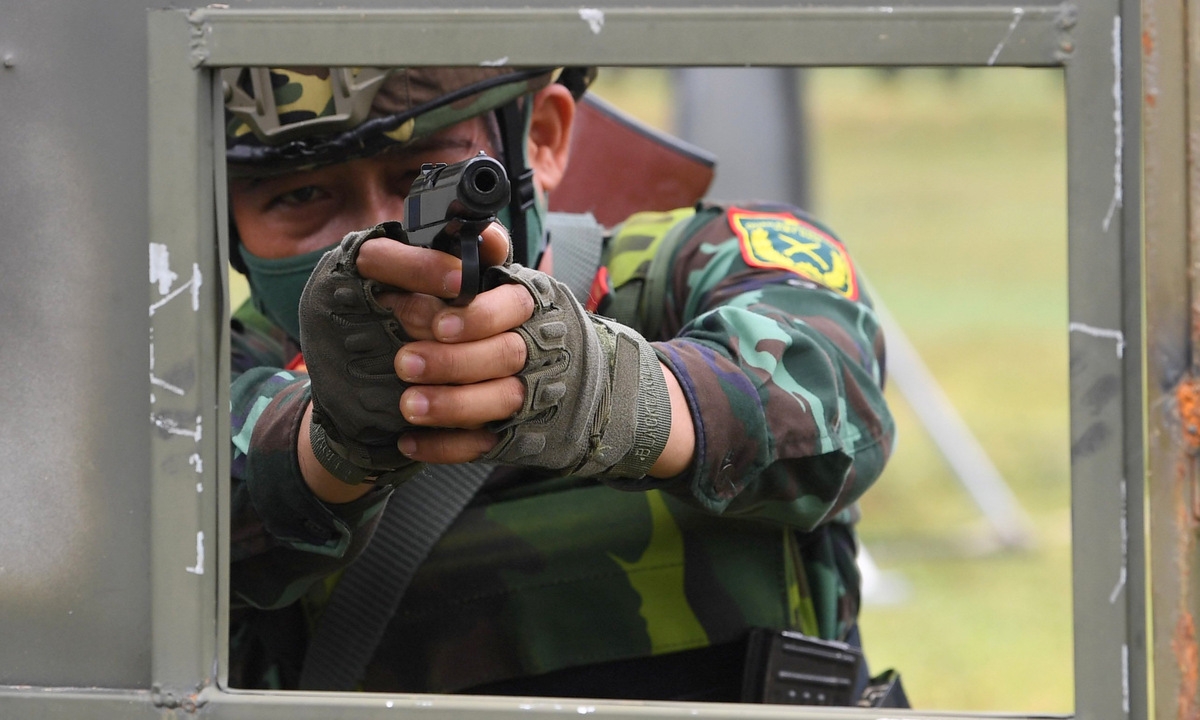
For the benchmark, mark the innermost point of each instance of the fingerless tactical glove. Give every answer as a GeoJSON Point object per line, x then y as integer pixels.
{"type": "Point", "coordinates": [349, 342]}
{"type": "Point", "coordinates": [596, 403]}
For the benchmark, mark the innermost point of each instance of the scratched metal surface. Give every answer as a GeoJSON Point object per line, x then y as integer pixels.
{"type": "Point", "coordinates": [1171, 109]}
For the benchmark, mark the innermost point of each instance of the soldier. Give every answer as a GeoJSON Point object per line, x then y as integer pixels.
{"type": "Point", "coordinates": [674, 465]}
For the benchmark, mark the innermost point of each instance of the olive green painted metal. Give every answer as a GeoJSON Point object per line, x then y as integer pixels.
{"type": "Point", "coordinates": [1106, 355]}
{"type": "Point", "coordinates": [187, 460]}
{"type": "Point", "coordinates": [1171, 110]}
{"type": "Point", "coordinates": [74, 531]}
{"type": "Point", "coordinates": [902, 34]}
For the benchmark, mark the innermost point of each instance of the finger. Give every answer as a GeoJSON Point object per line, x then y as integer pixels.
{"type": "Point", "coordinates": [493, 312]}
{"type": "Point", "coordinates": [414, 269]}
{"type": "Point", "coordinates": [446, 446]}
{"type": "Point", "coordinates": [462, 406]}
{"type": "Point", "coordinates": [415, 311]}
{"type": "Point", "coordinates": [494, 249]}
{"type": "Point", "coordinates": [435, 363]}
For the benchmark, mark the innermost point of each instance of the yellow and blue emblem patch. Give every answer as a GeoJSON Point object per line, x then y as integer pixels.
{"type": "Point", "coordinates": [783, 241]}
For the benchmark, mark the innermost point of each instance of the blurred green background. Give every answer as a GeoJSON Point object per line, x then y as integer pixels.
{"type": "Point", "coordinates": [949, 186]}
{"type": "Point", "coordinates": [950, 189]}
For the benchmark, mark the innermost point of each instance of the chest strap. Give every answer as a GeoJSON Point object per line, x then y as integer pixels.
{"type": "Point", "coordinates": [577, 241]}
{"type": "Point", "coordinates": [369, 591]}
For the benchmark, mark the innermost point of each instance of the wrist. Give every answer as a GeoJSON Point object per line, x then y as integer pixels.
{"type": "Point", "coordinates": [320, 481]}
{"type": "Point", "coordinates": [680, 449]}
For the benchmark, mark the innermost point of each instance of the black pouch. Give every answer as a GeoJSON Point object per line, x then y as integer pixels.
{"type": "Point", "coordinates": [789, 668]}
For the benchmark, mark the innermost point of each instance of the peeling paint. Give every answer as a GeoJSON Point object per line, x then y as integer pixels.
{"type": "Point", "coordinates": [198, 568]}
{"type": "Point", "coordinates": [1118, 122]}
{"type": "Point", "coordinates": [197, 462]}
{"type": "Point", "coordinates": [1018, 13]}
{"type": "Point", "coordinates": [498, 62]}
{"type": "Point", "coordinates": [594, 17]}
{"type": "Point", "coordinates": [1100, 333]}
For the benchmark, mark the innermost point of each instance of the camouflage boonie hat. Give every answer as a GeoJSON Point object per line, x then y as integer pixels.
{"type": "Point", "coordinates": [287, 119]}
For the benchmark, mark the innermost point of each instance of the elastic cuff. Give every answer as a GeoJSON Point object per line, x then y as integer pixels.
{"type": "Point", "coordinates": [327, 453]}
{"type": "Point", "coordinates": [653, 421]}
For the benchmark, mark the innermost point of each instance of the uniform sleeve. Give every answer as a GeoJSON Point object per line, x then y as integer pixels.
{"type": "Point", "coordinates": [760, 314]}
{"type": "Point", "coordinates": [283, 538]}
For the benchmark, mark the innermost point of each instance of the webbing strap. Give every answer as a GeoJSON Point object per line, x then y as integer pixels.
{"type": "Point", "coordinates": [577, 241]}
{"type": "Point", "coordinates": [369, 591]}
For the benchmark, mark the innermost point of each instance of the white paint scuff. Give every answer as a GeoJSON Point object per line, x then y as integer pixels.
{"type": "Point", "coordinates": [172, 427]}
{"type": "Point", "coordinates": [1118, 126]}
{"type": "Point", "coordinates": [198, 568]}
{"type": "Point", "coordinates": [1018, 13]}
{"type": "Point", "coordinates": [193, 285]}
{"type": "Point", "coordinates": [594, 17]}
{"type": "Point", "coordinates": [1125, 678]}
{"type": "Point", "coordinates": [1100, 333]}
{"type": "Point", "coordinates": [498, 62]}
{"type": "Point", "coordinates": [160, 268]}
{"type": "Point", "coordinates": [1124, 575]}
{"type": "Point", "coordinates": [162, 274]}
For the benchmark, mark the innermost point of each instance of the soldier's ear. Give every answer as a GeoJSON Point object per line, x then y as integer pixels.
{"type": "Point", "coordinates": [550, 134]}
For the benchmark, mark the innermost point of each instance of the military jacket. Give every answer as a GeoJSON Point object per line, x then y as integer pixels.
{"type": "Point", "coordinates": [761, 315]}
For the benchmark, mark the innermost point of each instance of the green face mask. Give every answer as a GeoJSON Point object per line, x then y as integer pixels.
{"type": "Point", "coordinates": [275, 285]}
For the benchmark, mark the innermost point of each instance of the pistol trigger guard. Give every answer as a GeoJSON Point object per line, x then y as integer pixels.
{"type": "Point", "coordinates": [469, 254]}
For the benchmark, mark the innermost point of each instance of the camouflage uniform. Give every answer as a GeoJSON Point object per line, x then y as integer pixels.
{"type": "Point", "coordinates": [759, 313]}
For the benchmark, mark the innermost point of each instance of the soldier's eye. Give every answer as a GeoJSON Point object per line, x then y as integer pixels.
{"type": "Point", "coordinates": [299, 196]}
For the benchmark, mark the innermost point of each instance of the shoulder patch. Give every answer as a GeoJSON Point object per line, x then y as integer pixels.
{"type": "Point", "coordinates": [781, 240]}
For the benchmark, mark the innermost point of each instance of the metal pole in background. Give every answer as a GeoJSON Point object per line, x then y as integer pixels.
{"type": "Point", "coordinates": [751, 118]}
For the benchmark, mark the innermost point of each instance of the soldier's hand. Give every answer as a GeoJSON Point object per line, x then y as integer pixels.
{"type": "Point", "coordinates": [350, 337]}
{"type": "Point", "coordinates": [531, 379]}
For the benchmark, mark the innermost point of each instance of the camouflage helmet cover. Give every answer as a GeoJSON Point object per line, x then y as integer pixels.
{"type": "Point", "coordinates": [287, 119]}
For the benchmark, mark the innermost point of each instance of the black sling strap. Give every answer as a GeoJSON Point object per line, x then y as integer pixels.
{"type": "Point", "coordinates": [370, 589]}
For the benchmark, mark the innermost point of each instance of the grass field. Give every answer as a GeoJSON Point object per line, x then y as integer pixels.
{"type": "Point", "coordinates": [950, 188]}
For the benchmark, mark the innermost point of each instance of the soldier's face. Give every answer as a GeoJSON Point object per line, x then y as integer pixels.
{"type": "Point", "coordinates": [301, 212]}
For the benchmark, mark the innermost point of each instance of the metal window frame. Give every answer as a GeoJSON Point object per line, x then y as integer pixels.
{"type": "Point", "coordinates": [1105, 284]}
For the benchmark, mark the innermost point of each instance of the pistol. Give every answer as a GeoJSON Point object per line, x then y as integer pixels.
{"type": "Point", "coordinates": [450, 205]}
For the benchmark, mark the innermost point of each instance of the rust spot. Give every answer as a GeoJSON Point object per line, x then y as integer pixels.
{"type": "Point", "coordinates": [1187, 394]}
{"type": "Point", "coordinates": [1151, 100]}
{"type": "Point", "coordinates": [1183, 640]}
{"type": "Point", "coordinates": [1147, 42]}
{"type": "Point", "coordinates": [1188, 657]}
